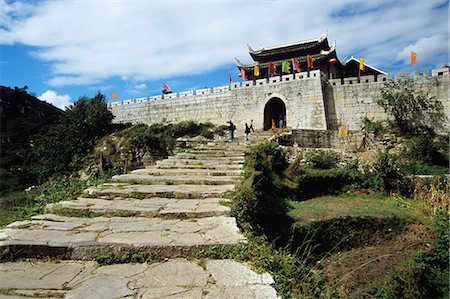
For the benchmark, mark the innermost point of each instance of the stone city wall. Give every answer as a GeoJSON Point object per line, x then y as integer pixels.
{"type": "Point", "coordinates": [348, 101]}
{"type": "Point", "coordinates": [312, 103]}
{"type": "Point", "coordinates": [301, 94]}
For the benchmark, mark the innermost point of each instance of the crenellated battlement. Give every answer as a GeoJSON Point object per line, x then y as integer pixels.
{"type": "Point", "coordinates": [219, 90]}
{"type": "Point", "coordinates": [309, 101]}
{"type": "Point", "coordinates": [383, 78]}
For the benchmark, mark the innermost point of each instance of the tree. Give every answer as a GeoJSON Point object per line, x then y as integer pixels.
{"type": "Point", "coordinates": [414, 111]}
{"type": "Point", "coordinates": [63, 147]}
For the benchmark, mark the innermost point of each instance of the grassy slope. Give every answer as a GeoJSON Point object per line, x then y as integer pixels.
{"type": "Point", "coordinates": [357, 205]}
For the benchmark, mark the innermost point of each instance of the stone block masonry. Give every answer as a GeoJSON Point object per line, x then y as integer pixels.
{"type": "Point", "coordinates": [308, 102]}
{"type": "Point", "coordinates": [301, 95]}
{"type": "Point", "coordinates": [348, 101]}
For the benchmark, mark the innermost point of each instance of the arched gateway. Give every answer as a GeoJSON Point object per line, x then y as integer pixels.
{"type": "Point", "coordinates": [274, 108]}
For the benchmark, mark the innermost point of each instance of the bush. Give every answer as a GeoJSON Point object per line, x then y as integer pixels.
{"type": "Point", "coordinates": [383, 176]}
{"type": "Point", "coordinates": [310, 182]}
{"type": "Point", "coordinates": [375, 127]}
{"type": "Point", "coordinates": [160, 139]}
{"type": "Point", "coordinates": [422, 148]}
{"type": "Point", "coordinates": [261, 194]}
{"type": "Point", "coordinates": [62, 148]}
{"type": "Point", "coordinates": [322, 159]}
{"type": "Point", "coordinates": [413, 111]}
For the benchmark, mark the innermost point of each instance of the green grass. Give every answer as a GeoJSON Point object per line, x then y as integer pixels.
{"type": "Point", "coordinates": [21, 205]}
{"type": "Point", "coordinates": [356, 205]}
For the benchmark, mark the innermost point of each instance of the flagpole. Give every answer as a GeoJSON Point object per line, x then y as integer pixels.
{"type": "Point", "coordinates": [359, 72]}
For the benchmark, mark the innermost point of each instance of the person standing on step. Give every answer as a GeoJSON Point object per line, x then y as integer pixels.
{"type": "Point", "coordinates": [247, 131]}
{"type": "Point", "coordinates": [280, 121]}
{"type": "Point", "coordinates": [251, 125]}
{"type": "Point", "coordinates": [231, 128]}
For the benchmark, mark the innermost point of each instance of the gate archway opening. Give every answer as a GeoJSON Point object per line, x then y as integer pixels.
{"type": "Point", "coordinates": [274, 109]}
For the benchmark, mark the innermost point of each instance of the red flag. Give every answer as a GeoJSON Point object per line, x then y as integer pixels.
{"type": "Point", "coordinates": [113, 95]}
{"type": "Point", "coordinates": [310, 61]}
{"type": "Point", "coordinates": [413, 57]}
{"type": "Point", "coordinates": [231, 79]}
{"type": "Point", "coordinates": [271, 68]}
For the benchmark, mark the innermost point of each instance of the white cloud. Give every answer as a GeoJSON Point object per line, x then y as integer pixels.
{"type": "Point", "coordinates": [60, 101]}
{"type": "Point", "coordinates": [86, 42]}
{"type": "Point", "coordinates": [137, 89]}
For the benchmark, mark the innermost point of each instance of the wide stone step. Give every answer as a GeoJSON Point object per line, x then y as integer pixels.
{"type": "Point", "coordinates": [216, 153]}
{"type": "Point", "coordinates": [194, 156]}
{"type": "Point", "coordinates": [152, 207]}
{"type": "Point", "coordinates": [173, 180]}
{"type": "Point", "coordinates": [197, 166]}
{"type": "Point", "coordinates": [112, 190]}
{"type": "Point", "coordinates": [180, 161]}
{"type": "Point", "coordinates": [174, 278]}
{"type": "Point", "coordinates": [80, 238]}
{"type": "Point", "coordinates": [191, 172]}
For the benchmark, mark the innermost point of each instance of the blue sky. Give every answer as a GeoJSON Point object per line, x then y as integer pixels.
{"type": "Point", "coordinates": [66, 49]}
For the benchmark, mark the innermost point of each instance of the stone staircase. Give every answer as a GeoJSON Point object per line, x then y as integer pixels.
{"type": "Point", "coordinates": [172, 210]}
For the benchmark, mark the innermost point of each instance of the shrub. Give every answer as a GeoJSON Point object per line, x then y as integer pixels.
{"type": "Point", "coordinates": [372, 126]}
{"type": "Point", "coordinates": [310, 182]}
{"type": "Point", "coordinates": [383, 176]}
{"type": "Point", "coordinates": [422, 148]}
{"type": "Point", "coordinates": [322, 159]}
{"type": "Point", "coordinates": [62, 148]}
{"type": "Point", "coordinates": [413, 111]}
{"type": "Point", "coordinates": [261, 195]}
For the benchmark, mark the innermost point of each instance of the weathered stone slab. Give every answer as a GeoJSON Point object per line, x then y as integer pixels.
{"type": "Point", "coordinates": [152, 207]}
{"type": "Point", "coordinates": [199, 162]}
{"type": "Point", "coordinates": [124, 233]}
{"type": "Point", "coordinates": [184, 171]}
{"type": "Point", "coordinates": [173, 180]}
{"type": "Point", "coordinates": [174, 278]}
{"type": "Point", "coordinates": [167, 191]}
{"type": "Point", "coordinates": [198, 166]}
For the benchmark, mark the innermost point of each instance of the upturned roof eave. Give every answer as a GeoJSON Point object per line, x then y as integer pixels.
{"type": "Point", "coordinates": [318, 40]}
{"type": "Point", "coordinates": [316, 57]}
{"type": "Point", "coordinates": [367, 65]}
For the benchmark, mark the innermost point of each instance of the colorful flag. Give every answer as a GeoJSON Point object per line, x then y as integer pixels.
{"type": "Point", "coordinates": [413, 57]}
{"type": "Point", "coordinates": [231, 79]}
{"type": "Point", "coordinates": [256, 71]}
{"type": "Point", "coordinates": [361, 64]}
{"type": "Point", "coordinates": [166, 89]}
{"type": "Point", "coordinates": [113, 95]}
{"type": "Point", "coordinates": [296, 65]}
{"type": "Point", "coordinates": [243, 75]}
{"type": "Point", "coordinates": [310, 61]}
{"type": "Point", "coordinates": [271, 69]}
{"type": "Point", "coordinates": [285, 67]}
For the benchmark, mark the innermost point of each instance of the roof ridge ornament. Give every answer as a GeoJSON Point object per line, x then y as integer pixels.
{"type": "Point", "coordinates": [250, 48]}
{"type": "Point", "coordinates": [238, 62]}
{"type": "Point", "coordinates": [323, 36]}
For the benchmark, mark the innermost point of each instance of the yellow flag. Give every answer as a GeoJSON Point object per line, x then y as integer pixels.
{"type": "Point", "coordinates": [361, 63]}
{"type": "Point", "coordinates": [342, 131]}
{"type": "Point", "coordinates": [256, 71]}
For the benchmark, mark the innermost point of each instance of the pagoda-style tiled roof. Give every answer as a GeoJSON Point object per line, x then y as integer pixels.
{"type": "Point", "coordinates": [323, 55]}
{"type": "Point", "coordinates": [290, 50]}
